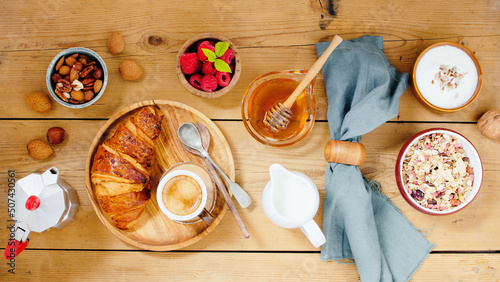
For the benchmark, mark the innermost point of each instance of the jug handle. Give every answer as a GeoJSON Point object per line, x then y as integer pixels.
{"type": "Point", "coordinates": [50, 176]}
{"type": "Point", "coordinates": [313, 233]}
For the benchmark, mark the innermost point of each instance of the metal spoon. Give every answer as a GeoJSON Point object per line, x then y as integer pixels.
{"type": "Point", "coordinates": [189, 136]}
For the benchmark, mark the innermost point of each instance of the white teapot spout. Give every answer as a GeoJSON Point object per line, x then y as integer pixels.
{"type": "Point", "coordinates": [50, 176]}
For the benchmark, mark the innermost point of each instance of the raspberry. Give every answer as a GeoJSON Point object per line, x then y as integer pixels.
{"type": "Point", "coordinates": [223, 78]}
{"type": "Point", "coordinates": [189, 63]}
{"type": "Point", "coordinates": [228, 56]}
{"type": "Point", "coordinates": [195, 81]}
{"type": "Point", "coordinates": [209, 83]}
{"type": "Point", "coordinates": [208, 68]}
{"type": "Point", "coordinates": [204, 45]}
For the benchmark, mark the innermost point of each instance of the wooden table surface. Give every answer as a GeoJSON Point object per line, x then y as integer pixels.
{"type": "Point", "coordinates": [270, 36]}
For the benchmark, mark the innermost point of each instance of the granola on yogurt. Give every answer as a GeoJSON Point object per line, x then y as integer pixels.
{"type": "Point", "coordinates": [437, 172]}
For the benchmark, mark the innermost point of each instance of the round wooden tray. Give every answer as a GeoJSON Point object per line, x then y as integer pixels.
{"type": "Point", "coordinates": [154, 230]}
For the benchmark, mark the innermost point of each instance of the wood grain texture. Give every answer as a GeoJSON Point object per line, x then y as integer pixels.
{"type": "Point", "coordinates": [267, 41]}
{"type": "Point", "coordinates": [469, 229]}
{"type": "Point", "coordinates": [269, 36]}
{"type": "Point", "coordinates": [187, 266]}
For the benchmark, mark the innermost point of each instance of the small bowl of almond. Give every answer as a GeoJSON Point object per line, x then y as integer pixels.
{"type": "Point", "coordinates": [77, 77]}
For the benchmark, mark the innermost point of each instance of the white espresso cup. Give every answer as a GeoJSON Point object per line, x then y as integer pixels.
{"type": "Point", "coordinates": [182, 196]}
{"type": "Point", "coordinates": [291, 200]}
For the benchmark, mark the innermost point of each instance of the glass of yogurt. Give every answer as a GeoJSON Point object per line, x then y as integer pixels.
{"type": "Point", "coordinates": [447, 77]}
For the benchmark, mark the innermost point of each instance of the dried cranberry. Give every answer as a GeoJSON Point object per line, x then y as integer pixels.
{"type": "Point", "coordinates": [417, 195]}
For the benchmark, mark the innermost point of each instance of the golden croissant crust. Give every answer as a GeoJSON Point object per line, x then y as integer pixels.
{"type": "Point", "coordinates": [121, 169]}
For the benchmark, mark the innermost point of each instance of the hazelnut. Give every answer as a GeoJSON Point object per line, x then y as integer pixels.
{"type": "Point", "coordinates": [56, 77]}
{"type": "Point", "coordinates": [55, 135]}
{"type": "Point", "coordinates": [78, 66]}
{"type": "Point", "coordinates": [97, 73]}
{"type": "Point", "coordinates": [89, 94]}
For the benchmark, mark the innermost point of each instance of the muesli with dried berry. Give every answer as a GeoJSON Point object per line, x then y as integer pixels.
{"type": "Point", "coordinates": [437, 172]}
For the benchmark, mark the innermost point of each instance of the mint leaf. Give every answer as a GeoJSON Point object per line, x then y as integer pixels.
{"type": "Point", "coordinates": [221, 48]}
{"type": "Point", "coordinates": [210, 54]}
{"type": "Point", "coordinates": [222, 66]}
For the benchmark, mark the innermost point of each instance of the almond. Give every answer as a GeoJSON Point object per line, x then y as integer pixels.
{"type": "Point", "coordinates": [130, 70]}
{"type": "Point", "coordinates": [59, 63]}
{"type": "Point", "coordinates": [64, 70]}
{"type": "Point", "coordinates": [77, 95]}
{"type": "Point", "coordinates": [97, 86]}
{"type": "Point", "coordinates": [115, 43]}
{"type": "Point", "coordinates": [39, 150]}
{"type": "Point", "coordinates": [38, 102]}
{"type": "Point", "coordinates": [70, 61]}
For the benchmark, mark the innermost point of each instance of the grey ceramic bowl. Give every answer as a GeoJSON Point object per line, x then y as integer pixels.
{"type": "Point", "coordinates": [91, 55]}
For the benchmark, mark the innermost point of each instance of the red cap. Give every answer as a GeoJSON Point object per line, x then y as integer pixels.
{"type": "Point", "coordinates": [32, 203]}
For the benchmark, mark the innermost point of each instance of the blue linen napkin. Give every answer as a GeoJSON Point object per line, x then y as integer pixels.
{"type": "Point", "coordinates": [360, 222]}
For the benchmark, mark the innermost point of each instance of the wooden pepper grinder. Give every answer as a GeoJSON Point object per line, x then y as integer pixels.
{"type": "Point", "coordinates": [344, 152]}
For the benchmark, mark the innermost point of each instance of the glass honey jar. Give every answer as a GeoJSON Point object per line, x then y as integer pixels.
{"type": "Point", "coordinates": [267, 90]}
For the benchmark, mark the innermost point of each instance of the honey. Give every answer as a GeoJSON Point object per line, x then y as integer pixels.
{"type": "Point", "coordinates": [268, 94]}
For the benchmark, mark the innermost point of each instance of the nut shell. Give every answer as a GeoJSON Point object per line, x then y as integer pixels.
{"type": "Point", "coordinates": [489, 124]}
{"type": "Point", "coordinates": [39, 150]}
{"type": "Point", "coordinates": [130, 70]}
{"type": "Point", "coordinates": [55, 135]}
{"type": "Point", "coordinates": [38, 102]}
{"type": "Point", "coordinates": [115, 43]}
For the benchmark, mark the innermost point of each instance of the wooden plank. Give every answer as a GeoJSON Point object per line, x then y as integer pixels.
{"type": "Point", "coordinates": [28, 45]}
{"type": "Point", "coordinates": [469, 229]}
{"type": "Point", "coordinates": [48, 265]}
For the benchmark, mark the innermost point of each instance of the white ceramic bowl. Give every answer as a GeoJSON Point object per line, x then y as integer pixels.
{"type": "Point", "coordinates": [475, 162]}
{"type": "Point", "coordinates": [449, 54]}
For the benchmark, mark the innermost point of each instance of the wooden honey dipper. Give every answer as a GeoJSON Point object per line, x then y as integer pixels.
{"type": "Point", "coordinates": [279, 115]}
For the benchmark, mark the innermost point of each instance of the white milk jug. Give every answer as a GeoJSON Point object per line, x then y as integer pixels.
{"type": "Point", "coordinates": [290, 200]}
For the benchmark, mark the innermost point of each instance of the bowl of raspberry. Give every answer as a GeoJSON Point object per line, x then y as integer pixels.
{"type": "Point", "coordinates": [208, 65]}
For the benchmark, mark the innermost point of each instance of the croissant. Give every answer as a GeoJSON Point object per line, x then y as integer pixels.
{"type": "Point", "coordinates": [121, 169]}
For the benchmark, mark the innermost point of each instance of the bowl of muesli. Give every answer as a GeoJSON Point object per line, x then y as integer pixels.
{"type": "Point", "coordinates": [438, 171]}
